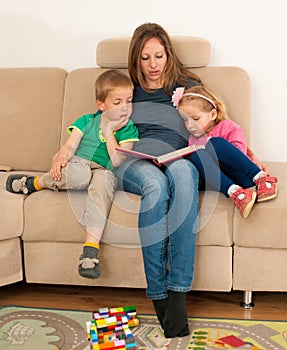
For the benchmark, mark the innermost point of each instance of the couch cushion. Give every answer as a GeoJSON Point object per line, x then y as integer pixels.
{"type": "Point", "coordinates": [11, 269]}
{"type": "Point", "coordinates": [31, 102]}
{"type": "Point", "coordinates": [266, 226]}
{"type": "Point", "coordinates": [192, 51]}
{"type": "Point", "coordinates": [11, 211]}
{"type": "Point", "coordinates": [43, 222]}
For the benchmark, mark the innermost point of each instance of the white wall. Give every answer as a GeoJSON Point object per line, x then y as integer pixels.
{"type": "Point", "coordinates": [247, 33]}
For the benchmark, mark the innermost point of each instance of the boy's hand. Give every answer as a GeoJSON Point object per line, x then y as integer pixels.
{"type": "Point", "coordinates": [58, 162]}
{"type": "Point", "coordinates": [110, 126]}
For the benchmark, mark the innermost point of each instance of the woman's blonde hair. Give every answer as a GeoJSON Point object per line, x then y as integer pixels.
{"type": "Point", "coordinates": [110, 80]}
{"type": "Point", "coordinates": [175, 72]}
{"type": "Point", "coordinates": [203, 103]}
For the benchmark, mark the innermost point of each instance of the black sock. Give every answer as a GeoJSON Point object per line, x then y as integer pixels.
{"type": "Point", "coordinates": [30, 184]}
{"type": "Point", "coordinates": [160, 307]}
{"type": "Point", "coordinates": [175, 320]}
{"type": "Point", "coordinates": [90, 252]}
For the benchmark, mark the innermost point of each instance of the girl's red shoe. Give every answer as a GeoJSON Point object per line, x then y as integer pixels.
{"type": "Point", "coordinates": [266, 188]}
{"type": "Point", "coordinates": [244, 200]}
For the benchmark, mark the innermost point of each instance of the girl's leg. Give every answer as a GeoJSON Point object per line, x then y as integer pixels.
{"type": "Point", "coordinates": [209, 169]}
{"type": "Point", "coordinates": [234, 163]}
{"type": "Point", "coordinates": [213, 162]}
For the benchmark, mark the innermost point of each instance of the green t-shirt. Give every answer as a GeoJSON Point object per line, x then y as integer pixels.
{"type": "Point", "coordinates": [93, 145]}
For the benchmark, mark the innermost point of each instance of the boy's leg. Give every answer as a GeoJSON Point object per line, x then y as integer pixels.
{"type": "Point", "coordinates": [75, 176]}
{"type": "Point", "coordinates": [100, 195]}
{"type": "Point", "coordinates": [23, 183]}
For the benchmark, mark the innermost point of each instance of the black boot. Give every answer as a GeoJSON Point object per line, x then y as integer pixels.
{"type": "Point", "coordinates": [175, 319]}
{"type": "Point", "coordinates": [160, 307]}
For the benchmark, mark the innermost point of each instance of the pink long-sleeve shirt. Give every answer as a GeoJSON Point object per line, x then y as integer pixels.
{"type": "Point", "coordinates": [226, 129]}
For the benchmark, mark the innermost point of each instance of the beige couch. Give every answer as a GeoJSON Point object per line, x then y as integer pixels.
{"type": "Point", "coordinates": [40, 237]}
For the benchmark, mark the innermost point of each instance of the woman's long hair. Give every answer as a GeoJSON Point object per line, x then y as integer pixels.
{"type": "Point", "coordinates": [175, 72]}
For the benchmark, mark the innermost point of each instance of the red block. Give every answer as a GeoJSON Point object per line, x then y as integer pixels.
{"type": "Point", "coordinates": [233, 341]}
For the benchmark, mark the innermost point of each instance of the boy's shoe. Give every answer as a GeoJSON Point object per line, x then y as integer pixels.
{"type": "Point", "coordinates": [89, 265]}
{"type": "Point", "coordinates": [244, 200]}
{"type": "Point", "coordinates": [20, 183]}
{"type": "Point", "coordinates": [266, 188]}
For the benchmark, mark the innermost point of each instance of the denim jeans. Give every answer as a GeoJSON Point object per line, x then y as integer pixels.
{"type": "Point", "coordinates": [168, 221]}
{"type": "Point", "coordinates": [221, 165]}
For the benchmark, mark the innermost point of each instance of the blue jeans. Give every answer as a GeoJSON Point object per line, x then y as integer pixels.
{"type": "Point", "coordinates": [221, 165]}
{"type": "Point", "coordinates": [168, 221]}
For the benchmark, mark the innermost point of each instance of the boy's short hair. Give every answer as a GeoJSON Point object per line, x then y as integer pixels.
{"type": "Point", "coordinates": [110, 80]}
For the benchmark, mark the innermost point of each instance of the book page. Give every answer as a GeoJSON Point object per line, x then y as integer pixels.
{"type": "Point", "coordinates": [177, 154]}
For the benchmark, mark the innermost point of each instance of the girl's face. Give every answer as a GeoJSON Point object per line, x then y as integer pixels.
{"type": "Point", "coordinates": [197, 121]}
{"type": "Point", "coordinates": [153, 62]}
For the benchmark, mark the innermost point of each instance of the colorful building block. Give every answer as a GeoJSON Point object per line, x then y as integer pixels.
{"type": "Point", "coordinates": [110, 328]}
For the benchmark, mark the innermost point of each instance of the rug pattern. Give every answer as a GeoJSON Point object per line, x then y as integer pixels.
{"type": "Point", "coordinates": [24, 328]}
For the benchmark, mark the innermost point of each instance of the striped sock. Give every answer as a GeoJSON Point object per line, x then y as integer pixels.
{"type": "Point", "coordinates": [30, 184]}
{"type": "Point", "coordinates": [36, 186]}
{"type": "Point", "coordinates": [91, 244]}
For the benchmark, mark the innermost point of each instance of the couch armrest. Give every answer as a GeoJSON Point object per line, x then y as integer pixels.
{"type": "Point", "coordinates": [5, 168]}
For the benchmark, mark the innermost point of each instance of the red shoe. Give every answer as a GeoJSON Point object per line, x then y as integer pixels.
{"type": "Point", "coordinates": [266, 188]}
{"type": "Point", "coordinates": [244, 200]}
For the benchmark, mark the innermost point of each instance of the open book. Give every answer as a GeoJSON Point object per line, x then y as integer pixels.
{"type": "Point", "coordinates": [165, 158]}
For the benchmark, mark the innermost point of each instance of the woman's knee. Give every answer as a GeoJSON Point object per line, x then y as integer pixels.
{"type": "Point", "coordinates": [183, 168]}
{"type": "Point", "coordinates": [143, 177]}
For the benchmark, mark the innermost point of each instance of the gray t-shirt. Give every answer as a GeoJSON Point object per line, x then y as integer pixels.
{"type": "Point", "coordinates": [161, 128]}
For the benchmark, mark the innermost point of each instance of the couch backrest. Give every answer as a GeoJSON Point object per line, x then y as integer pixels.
{"type": "Point", "coordinates": [31, 105]}
{"type": "Point", "coordinates": [231, 83]}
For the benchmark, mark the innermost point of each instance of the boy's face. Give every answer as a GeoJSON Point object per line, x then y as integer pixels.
{"type": "Point", "coordinates": [118, 104]}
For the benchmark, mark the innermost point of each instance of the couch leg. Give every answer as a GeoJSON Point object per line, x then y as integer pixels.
{"type": "Point", "coordinates": [247, 300]}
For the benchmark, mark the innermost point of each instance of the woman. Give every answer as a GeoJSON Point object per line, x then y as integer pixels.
{"type": "Point", "coordinates": [168, 216]}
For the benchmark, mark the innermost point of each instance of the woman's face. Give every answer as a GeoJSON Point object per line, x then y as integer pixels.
{"type": "Point", "coordinates": [153, 62]}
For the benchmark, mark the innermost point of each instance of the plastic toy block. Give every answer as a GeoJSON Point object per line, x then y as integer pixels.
{"type": "Point", "coordinates": [233, 341]}
{"type": "Point", "coordinates": [110, 328]}
{"type": "Point", "coordinates": [117, 344]}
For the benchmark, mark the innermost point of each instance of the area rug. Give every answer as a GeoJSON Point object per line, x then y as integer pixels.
{"type": "Point", "coordinates": [23, 328]}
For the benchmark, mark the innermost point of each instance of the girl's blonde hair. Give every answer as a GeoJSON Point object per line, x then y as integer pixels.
{"type": "Point", "coordinates": [203, 103]}
{"type": "Point", "coordinates": [110, 80]}
{"type": "Point", "coordinates": [175, 72]}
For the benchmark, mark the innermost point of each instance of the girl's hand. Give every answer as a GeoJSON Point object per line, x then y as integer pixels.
{"type": "Point", "coordinates": [255, 160]}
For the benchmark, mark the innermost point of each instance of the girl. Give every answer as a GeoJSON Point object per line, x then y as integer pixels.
{"type": "Point", "coordinates": [223, 164]}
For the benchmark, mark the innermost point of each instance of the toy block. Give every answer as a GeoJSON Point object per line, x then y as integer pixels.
{"type": "Point", "coordinates": [110, 328]}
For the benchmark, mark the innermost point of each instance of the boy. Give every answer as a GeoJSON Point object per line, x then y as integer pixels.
{"type": "Point", "coordinates": [87, 158]}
